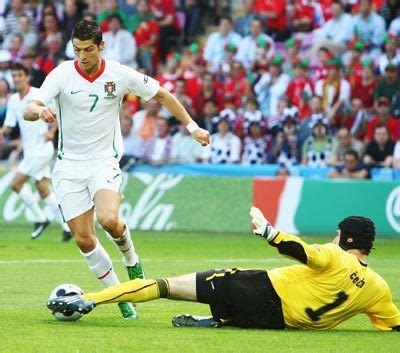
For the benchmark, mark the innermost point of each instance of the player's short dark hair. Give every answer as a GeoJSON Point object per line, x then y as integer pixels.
{"type": "Point", "coordinates": [357, 232]}
{"type": "Point", "coordinates": [352, 152]}
{"type": "Point", "coordinates": [86, 30]}
{"type": "Point", "coordinates": [20, 67]}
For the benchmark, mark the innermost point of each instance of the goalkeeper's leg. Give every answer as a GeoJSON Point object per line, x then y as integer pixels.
{"type": "Point", "coordinates": [142, 290]}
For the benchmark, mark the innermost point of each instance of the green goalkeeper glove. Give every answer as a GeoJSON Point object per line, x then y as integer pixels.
{"type": "Point", "coordinates": [262, 227]}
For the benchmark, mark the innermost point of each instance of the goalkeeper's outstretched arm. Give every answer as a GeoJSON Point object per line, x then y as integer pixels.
{"type": "Point", "coordinates": [314, 256]}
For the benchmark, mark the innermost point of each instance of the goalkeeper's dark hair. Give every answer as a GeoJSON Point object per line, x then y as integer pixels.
{"type": "Point", "coordinates": [357, 232]}
{"type": "Point", "coordinates": [87, 29]}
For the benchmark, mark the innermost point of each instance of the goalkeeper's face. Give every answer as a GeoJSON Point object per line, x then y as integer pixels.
{"type": "Point", "coordinates": [87, 52]}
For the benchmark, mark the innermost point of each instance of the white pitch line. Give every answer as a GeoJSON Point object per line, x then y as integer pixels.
{"type": "Point", "coordinates": [55, 261]}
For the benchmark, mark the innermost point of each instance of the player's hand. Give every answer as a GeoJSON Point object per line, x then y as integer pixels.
{"type": "Point", "coordinates": [202, 136]}
{"type": "Point", "coordinates": [262, 227]}
{"type": "Point", "coordinates": [48, 115]}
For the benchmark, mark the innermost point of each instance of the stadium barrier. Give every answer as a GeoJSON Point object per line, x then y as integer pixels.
{"type": "Point", "coordinates": [182, 202]}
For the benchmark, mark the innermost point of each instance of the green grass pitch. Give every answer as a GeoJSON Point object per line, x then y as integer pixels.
{"type": "Point", "coordinates": [31, 269]}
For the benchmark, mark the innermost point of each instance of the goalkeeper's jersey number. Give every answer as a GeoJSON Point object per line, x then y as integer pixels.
{"type": "Point", "coordinates": [315, 315]}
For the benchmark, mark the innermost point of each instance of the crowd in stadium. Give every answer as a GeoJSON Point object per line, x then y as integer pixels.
{"type": "Point", "coordinates": [289, 82]}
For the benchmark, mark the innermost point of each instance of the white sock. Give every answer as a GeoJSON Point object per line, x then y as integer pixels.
{"type": "Point", "coordinates": [31, 203]}
{"type": "Point", "coordinates": [101, 266]}
{"type": "Point", "coordinates": [53, 211]}
{"type": "Point", "coordinates": [125, 246]}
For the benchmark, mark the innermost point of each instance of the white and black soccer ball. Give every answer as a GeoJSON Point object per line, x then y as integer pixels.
{"type": "Point", "coordinates": [66, 290]}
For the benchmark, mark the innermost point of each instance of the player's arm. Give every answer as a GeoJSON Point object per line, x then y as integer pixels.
{"type": "Point", "coordinates": [37, 110]}
{"type": "Point", "coordinates": [169, 101]}
{"type": "Point", "coordinates": [148, 88]}
{"type": "Point", "coordinates": [4, 131]}
{"type": "Point", "coordinates": [314, 256]}
{"type": "Point", "coordinates": [39, 107]}
{"type": "Point", "coordinates": [384, 314]}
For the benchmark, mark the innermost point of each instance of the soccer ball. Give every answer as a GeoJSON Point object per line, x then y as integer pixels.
{"type": "Point", "coordinates": [63, 290]}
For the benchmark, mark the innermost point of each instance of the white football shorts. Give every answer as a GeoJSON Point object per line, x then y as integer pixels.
{"type": "Point", "coordinates": [36, 164]}
{"type": "Point", "coordinates": [75, 183]}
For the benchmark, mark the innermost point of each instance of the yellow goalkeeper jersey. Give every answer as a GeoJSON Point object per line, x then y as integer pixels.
{"type": "Point", "coordinates": [330, 287]}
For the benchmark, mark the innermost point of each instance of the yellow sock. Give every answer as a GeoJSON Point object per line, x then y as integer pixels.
{"type": "Point", "coordinates": [136, 291]}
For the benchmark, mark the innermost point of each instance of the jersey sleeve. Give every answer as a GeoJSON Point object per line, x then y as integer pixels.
{"type": "Point", "coordinates": [142, 85]}
{"type": "Point", "coordinates": [11, 118]}
{"type": "Point", "coordinates": [384, 314]}
{"type": "Point", "coordinates": [51, 87]}
{"type": "Point", "coordinates": [317, 257]}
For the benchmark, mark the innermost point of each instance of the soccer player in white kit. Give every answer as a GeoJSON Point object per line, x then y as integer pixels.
{"type": "Point", "coordinates": [38, 154]}
{"type": "Point", "coordinates": [89, 92]}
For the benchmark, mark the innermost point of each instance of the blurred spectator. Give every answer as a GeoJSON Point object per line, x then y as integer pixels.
{"type": "Point", "coordinates": [208, 92]}
{"type": "Point", "coordinates": [170, 75]}
{"type": "Point", "coordinates": [144, 120]}
{"type": "Point", "coordinates": [357, 120]}
{"type": "Point", "coordinates": [292, 48]}
{"type": "Point", "coordinates": [319, 69]}
{"type": "Point", "coordinates": [5, 93]}
{"type": "Point", "coordinates": [364, 88]}
{"type": "Point", "coordinates": [383, 117]}
{"type": "Point", "coordinates": [336, 32]}
{"type": "Point", "coordinates": [184, 148]}
{"type": "Point", "coordinates": [157, 150]}
{"type": "Point", "coordinates": [165, 13]}
{"type": "Point", "coordinates": [352, 168]}
{"type": "Point", "coordinates": [216, 42]}
{"type": "Point", "coordinates": [13, 17]}
{"type": "Point", "coordinates": [275, 14]}
{"type": "Point", "coordinates": [16, 47]}
{"type": "Point", "coordinates": [5, 72]}
{"type": "Point", "coordinates": [133, 144]}
{"type": "Point", "coordinates": [369, 27]}
{"type": "Point", "coordinates": [389, 84]}
{"type": "Point", "coordinates": [354, 67]}
{"type": "Point", "coordinates": [255, 142]}
{"type": "Point", "coordinates": [271, 87]}
{"type": "Point", "coordinates": [25, 29]}
{"type": "Point", "coordinates": [236, 86]}
{"type": "Point", "coordinates": [300, 89]}
{"type": "Point", "coordinates": [305, 15]}
{"type": "Point", "coordinates": [394, 27]}
{"type": "Point", "coordinates": [316, 109]}
{"type": "Point", "coordinates": [379, 152]}
{"type": "Point", "coordinates": [120, 44]}
{"type": "Point", "coordinates": [396, 156]}
{"type": "Point", "coordinates": [180, 94]}
{"type": "Point", "coordinates": [51, 26]}
{"type": "Point", "coordinates": [334, 90]}
{"type": "Point", "coordinates": [146, 32]}
{"type": "Point", "coordinates": [225, 147]}
{"type": "Point", "coordinates": [248, 45]}
{"type": "Point", "coordinates": [343, 143]}
{"type": "Point", "coordinates": [193, 13]}
{"type": "Point", "coordinates": [210, 110]}
{"type": "Point", "coordinates": [72, 16]}
{"type": "Point", "coordinates": [284, 148]}
{"type": "Point", "coordinates": [52, 55]}
{"type": "Point", "coordinates": [37, 76]}
{"type": "Point", "coordinates": [112, 8]}
{"type": "Point", "coordinates": [391, 55]}
{"type": "Point", "coordinates": [225, 67]}
{"type": "Point", "coordinates": [317, 148]}
{"type": "Point", "coordinates": [194, 77]}
{"type": "Point", "coordinates": [242, 23]}
{"type": "Point", "coordinates": [390, 10]}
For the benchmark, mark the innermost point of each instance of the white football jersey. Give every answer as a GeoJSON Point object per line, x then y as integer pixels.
{"type": "Point", "coordinates": [88, 107]}
{"type": "Point", "coordinates": [31, 131]}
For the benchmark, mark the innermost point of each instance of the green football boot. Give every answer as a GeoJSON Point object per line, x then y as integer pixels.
{"type": "Point", "coordinates": [135, 271]}
{"type": "Point", "coordinates": [128, 311]}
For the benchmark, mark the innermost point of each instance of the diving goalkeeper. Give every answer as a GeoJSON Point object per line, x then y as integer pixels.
{"type": "Point", "coordinates": [332, 284]}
